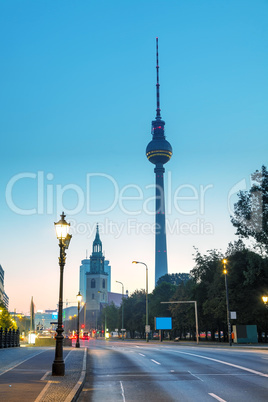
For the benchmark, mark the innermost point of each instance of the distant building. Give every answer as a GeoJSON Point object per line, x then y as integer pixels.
{"type": "Point", "coordinates": [85, 270]}
{"type": "Point", "coordinates": [95, 285]}
{"type": "Point", "coordinates": [43, 319]}
{"type": "Point", "coordinates": [3, 296]}
{"type": "Point", "coordinates": [116, 298]}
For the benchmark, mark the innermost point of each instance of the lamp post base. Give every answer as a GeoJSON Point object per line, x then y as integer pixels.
{"type": "Point", "coordinates": [77, 345]}
{"type": "Point", "coordinates": [58, 368]}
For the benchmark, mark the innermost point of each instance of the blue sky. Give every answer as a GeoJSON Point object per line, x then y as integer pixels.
{"type": "Point", "coordinates": [77, 99]}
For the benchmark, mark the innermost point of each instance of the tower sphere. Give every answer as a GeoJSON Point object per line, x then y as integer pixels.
{"type": "Point", "coordinates": [159, 151]}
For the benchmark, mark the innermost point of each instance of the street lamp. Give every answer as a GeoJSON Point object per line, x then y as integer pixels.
{"type": "Point", "coordinates": [79, 299]}
{"type": "Point", "coordinates": [122, 308]}
{"type": "Point", "coordinates": [62, 233]}
{"type": "Point", "coordinates": [224, 261]}
{"type": "Point", "coordinates": [146, 328]}
{"type": "Point", "coordinates": [265, 300]}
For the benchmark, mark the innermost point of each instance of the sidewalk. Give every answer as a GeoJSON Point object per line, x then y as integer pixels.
{"type": "Point", "coordinates": [68, 387]}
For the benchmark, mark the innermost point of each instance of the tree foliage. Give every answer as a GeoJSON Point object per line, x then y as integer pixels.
{"type": "Point", "coordinates": [247, 282]}
{"type": "Point", "coordinates": [135, 313]}
{"type": "Point", "coordinates": [251, 211]}
{"type": "Point", "coordinates": [6, 321]}
{"type": "Point", "coordinates": [174, 279]}
{"type": "Point", "coordinates": [110, 317]}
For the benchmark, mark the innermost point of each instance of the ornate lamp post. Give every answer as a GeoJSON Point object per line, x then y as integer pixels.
{"type": "Point", "coordinates": [79, 299]}
{"type": "Point", "coordinates": [122, 308]}
{"type": "Point", "coordinates": [62, 232]}
{"type": "Point", "coordinates": [146, 329]}
{"type": "Point", "coordinates": [224, 261]}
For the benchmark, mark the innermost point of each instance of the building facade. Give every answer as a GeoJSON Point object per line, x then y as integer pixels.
{"type": "Point", "coordinates": [95, 283]}
{"type": "Point", "coordinates": [3, 296]}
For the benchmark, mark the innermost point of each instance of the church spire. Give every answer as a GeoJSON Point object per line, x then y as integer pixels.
{"type": "Point", "coordinates": [97, 244]}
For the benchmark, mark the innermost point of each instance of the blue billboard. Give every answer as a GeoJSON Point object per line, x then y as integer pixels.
{"type": "Point", "coordinates": [163, 323]}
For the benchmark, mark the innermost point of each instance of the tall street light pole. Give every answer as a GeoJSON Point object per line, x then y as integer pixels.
{"type": "Point", "coordinates": [85, 312]}
{"type": "Point", "coordinates": [122, 309]}
{"type": "Point", "coordinates": [62, 232]}
{"type": "Point", "coordinates": [146, 329]}
{"type": "Point", "coordinates": [224, 261]}
{"type": "Point", "coordinates": [79, 299]}
{"type": "Point", "coordinates": [99, 291]}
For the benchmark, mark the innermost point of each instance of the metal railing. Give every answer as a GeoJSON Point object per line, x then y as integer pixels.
{"type": "Point", "coordinates": [9, 338]}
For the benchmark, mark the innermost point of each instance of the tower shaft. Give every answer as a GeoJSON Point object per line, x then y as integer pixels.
{"type": "Point", "coordinates": [160, 223]}
{"type": "Point", "coordinates": [159, 152]}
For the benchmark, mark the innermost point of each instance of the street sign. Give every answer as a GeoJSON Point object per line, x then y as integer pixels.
{"type": "Point", "coordinates": [122, 330]}
{"type": "Point", "coordinates": [147, 329]}
{"type": "Point", "coordinates": [163, 323]}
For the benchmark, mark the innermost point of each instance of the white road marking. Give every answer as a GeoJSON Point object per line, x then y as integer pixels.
{"type": "Point", "coordinates": [155, 361]}
{"type": "Point", "coordinates": [123, 392]}
{"type": "Point", "coordinates": [172, 371]}
{"type": "Point", "coordinates": [217, 397]}
{"type": "Point", "coordinates": [195, 376]}
{"type": "Point", "coordinates": [226, 363]}
{"type": "Point", "coordinates": [44, 390]}
{"type": "Point", "coordinates": [141, 354]}
{"type": "Point", "coordinates": [45, 376]}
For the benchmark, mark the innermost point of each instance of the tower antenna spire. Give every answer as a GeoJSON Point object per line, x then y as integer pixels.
{"type": "Point", "coordinates": [158, 115]}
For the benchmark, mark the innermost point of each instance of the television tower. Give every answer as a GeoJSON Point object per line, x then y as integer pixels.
{"type": "Point", "coordinates": [159, 152]}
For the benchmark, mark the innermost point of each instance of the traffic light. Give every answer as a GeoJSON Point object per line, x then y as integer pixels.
{"type": "Point", "coordinates": [83, 326]}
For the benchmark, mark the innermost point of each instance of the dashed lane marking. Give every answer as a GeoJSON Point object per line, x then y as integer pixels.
{"type": "Point", "coordinates": [217, 397]}
{"type": "Point", "coordinates": [122, 391]}
{"type": "Point", "coordinates": [155, 361]}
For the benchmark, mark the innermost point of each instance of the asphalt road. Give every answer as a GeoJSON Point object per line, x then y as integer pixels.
{"type": "Point", "coordinates": [135, 371]}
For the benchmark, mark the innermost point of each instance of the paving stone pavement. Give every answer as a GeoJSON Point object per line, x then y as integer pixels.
{"type": "Point", "coordinates": [66, 388]}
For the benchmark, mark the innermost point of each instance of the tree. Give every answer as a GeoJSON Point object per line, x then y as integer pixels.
{"type": "Point", "coordinates": [135, 313]}
{"type": "Point", "coordinates": [110, 314]}
{"type": "Point", "coordinates": [251, 211]}
{"type": "Point", "coordinates": [162, 293]}
{"type": "Point", "coordinates": [174, 279]}
{"type": "Point", "coordinates": [6, 321]}
{"type": "Point", "coordinates": [183, 314]}
{"type": "Point", "coordinates": [247, 281]}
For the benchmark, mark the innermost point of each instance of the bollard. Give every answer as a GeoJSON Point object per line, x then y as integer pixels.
{"type": "Point", "coordinates": [17, 338]}
{"type": "Point", "coordinates": [9, 338]}
{"type": "Point", "coordinates": [13, 338]}
{"type": "Point", "coordinates": [5, 338]}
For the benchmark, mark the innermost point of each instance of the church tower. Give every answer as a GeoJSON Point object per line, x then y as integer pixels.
{"type": "Point", "coordinates": [159, 152]}
{"type": "Point", "coordinates": [97, 281]}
